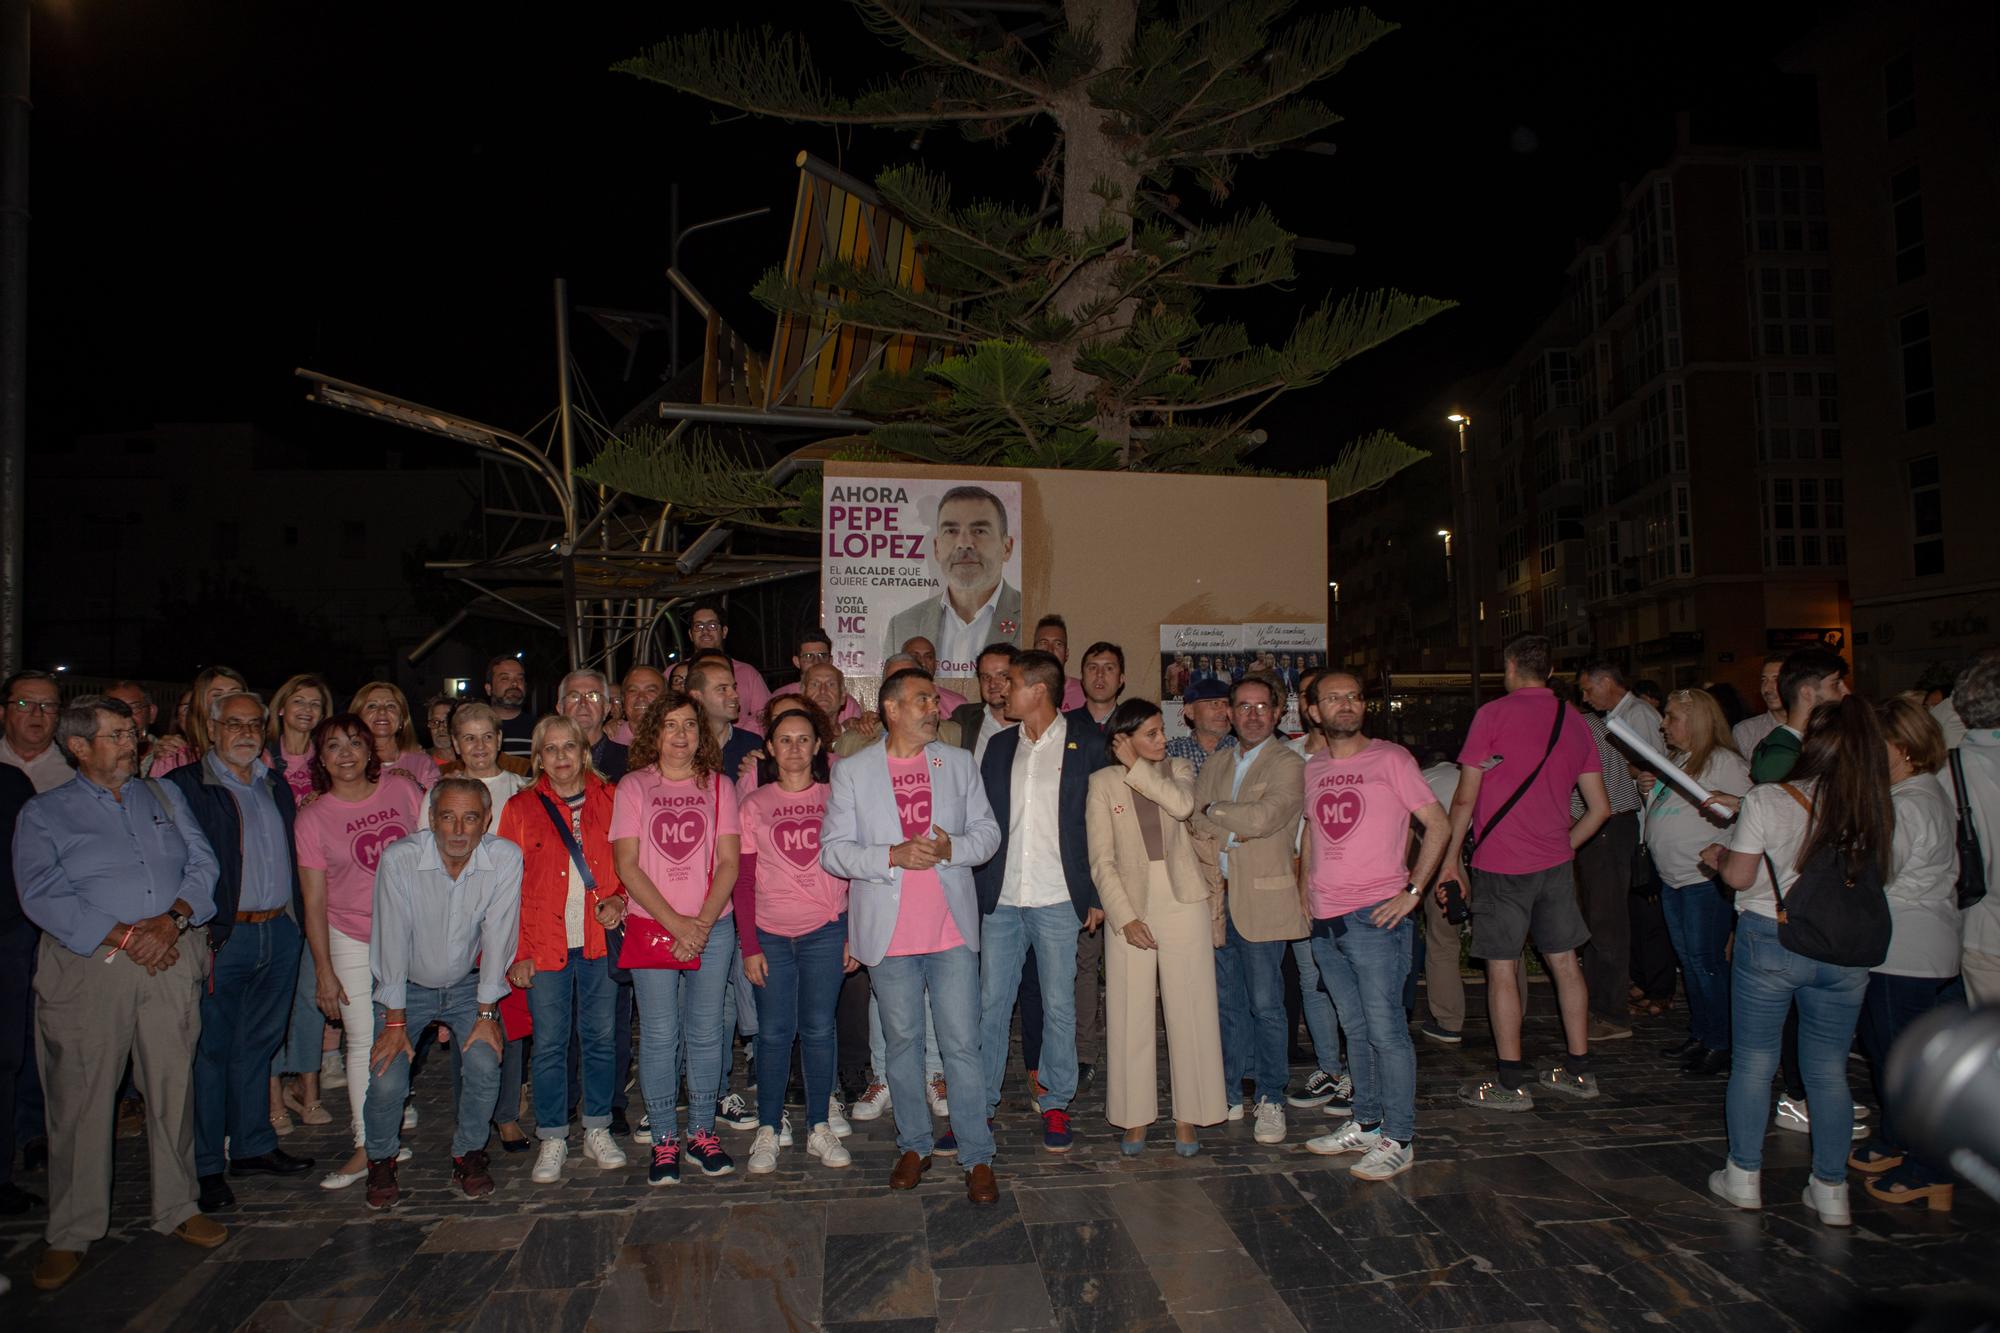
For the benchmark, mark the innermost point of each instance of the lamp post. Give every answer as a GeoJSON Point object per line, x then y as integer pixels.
{"type": "Point", "coordinates": [1333, 634]}
{"type": "Point", "coordinates": [1469, 557]}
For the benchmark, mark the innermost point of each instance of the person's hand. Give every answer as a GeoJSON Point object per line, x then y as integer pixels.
{"type": "Point", "coordinates": [915, 854]}
{"type": "Point", "coordinates": [756, 968]}
{"type": "Point", "coordinates": [521, 976]}
{"type": "Point", "coordinates": [684, 950]}
{"type": "Point", "coordinates": [152, 940]}
{"type": "Point", "coordinates": [1720, 807]}
{"type": "Point", "coordinates": [942, 841]}
{"type": "Point", "coordinates": [1138, 936]}
{"type": "Point", "coordinates": [391, 1043]}
{"type": "Point", "coordinates": [848, 962]}
{"type": "Point", "coordinates": [748, 767]}
{"type": "Point", "coordinates": [1712, 855]}
{"type": "Point", "coordinates": [1391, 910]}
{"type": "Point", "coordinates": [488, 1031]}
{"type": "Point", "coordinates": [611, 912]}
{"type": "Point", "coordinates": [691, 931]}
{"type": "Point", "coordinates": [1451, 872]}
{"type": "Point", "coordinates": [328, 993]}
{"type": "Point", "coordinates": [1646, 780]}
{"type": "Point", "coordinates": [169, 747]}
{"type": "Point", "coordinates": [1093, 919]}
{"type": "Point", "coordinates": [1121, 750]}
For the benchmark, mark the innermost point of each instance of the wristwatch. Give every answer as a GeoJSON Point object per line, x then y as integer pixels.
{"type": "Point", "coordinates": [1414, 889]}
{"type": "Point", "coordinates": [182, 921]}
{"type": "Point", "coordinates": [489, 1015]}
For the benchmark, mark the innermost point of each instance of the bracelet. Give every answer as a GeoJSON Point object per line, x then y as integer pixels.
{"type": "Point", "coordinates": [387, 1026]}
{"type": "Point", "coordinates": [127, 939]}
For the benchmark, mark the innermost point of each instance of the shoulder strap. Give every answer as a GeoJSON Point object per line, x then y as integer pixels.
{"type": "Point", "coordinates": [561, 821]}
{"type": "Point", "coordinates": [1776, 897]}
{"type": "Point", "coordinates": [1798, 796]}
{"type": "Point", "coordinates": [1555, 734]}
{"type": "Point", "coordinates": [160, 795]}
{"type": "Point", "coordinates": [1958, 786]}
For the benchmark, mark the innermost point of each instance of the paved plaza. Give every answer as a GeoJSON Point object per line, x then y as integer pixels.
{"type": "Point", "coordinates": [1577, 1216]}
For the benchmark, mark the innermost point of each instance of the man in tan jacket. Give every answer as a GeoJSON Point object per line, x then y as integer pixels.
{"type": "Point", "coordinates": [1247, 802]}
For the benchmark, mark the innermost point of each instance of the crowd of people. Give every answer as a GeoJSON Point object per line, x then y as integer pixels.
{"type": "Point", "coordinates": [210, 930]}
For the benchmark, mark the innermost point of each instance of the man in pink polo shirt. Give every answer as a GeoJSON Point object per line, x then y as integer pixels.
{"type": "Point", "coordinates": [708, 627]}
{"type": "Point", "coordinates": [1522, 757]}
{"type": "Point", "coordinates": [815, 650]}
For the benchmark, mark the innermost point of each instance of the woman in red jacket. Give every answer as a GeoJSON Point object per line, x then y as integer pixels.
{"type": "Point", "coordinates": [570, 895]}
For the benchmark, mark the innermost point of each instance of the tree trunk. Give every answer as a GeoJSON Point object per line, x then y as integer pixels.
{"type": "Point", "coordinates": [1091, 158]}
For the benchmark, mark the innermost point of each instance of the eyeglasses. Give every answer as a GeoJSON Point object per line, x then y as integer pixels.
{"type": "Point", "coordinates": [705, 624]}
{"type": "Point", "coordinates": [41, 706]}
{"type": "Point", "coordinates": [815, 657]}
{"type": "Point", "coordinates": [120, 736]}
{"type": "Point", "coordinates": [1255, 710]}
{"type": "Point", "coordinates": [244, 725]}
{"type": "Point", "coordinates": [578, 696]}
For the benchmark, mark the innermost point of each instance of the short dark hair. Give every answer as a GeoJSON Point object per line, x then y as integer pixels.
{"type": "Point", "coordinates": [1270, 683]}
{"type": "Point", "coordinates": [1052, 619]}
{"type": "Point", "coordinates": [705, 665]}
{"type": "Point", "coordinates": [1530, 656]}
{"type": "Point", "coordinates": [971, 493]}
{"type": "Point", "coordinates": [1128, 717]}
{"type": "Point", "coordinates": [15, 681]}
{"type": "Point", "coordinates": [1002, 649]}
{"type": "Point", "coordinates": [817, 634]}
{"type": "Point", "coordinates": [1307, 680]}
{"type": "Point", "coordinates": [1040, 668]}
{"type": "Point", "coordinates": [1102, 647]}
{"type": "Point", "coordinates": [1650, 691]}
{"type": "Point", "coordinates": [1804, 666]}
{"type": "Point", "coordinates": [78, 719]}
{"type": "Point", "coordinates": [721, 616]}
{"type": "Point", "coordinates": [893, 687]}
{"type": "Point", "coordinates": [498, 658]}
{"type": "Point", "coordinates": [1604, 666]}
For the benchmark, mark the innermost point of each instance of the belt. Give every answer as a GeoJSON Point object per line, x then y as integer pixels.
{"type": "Point", "coordinates": [252, 918]}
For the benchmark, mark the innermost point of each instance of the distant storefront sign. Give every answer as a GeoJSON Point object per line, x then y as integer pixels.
{"type": "Point", "coordinates": [1786, 640]}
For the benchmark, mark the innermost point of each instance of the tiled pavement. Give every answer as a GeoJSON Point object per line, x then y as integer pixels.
{"type": "Point", "coordinates": [1577, 1216]}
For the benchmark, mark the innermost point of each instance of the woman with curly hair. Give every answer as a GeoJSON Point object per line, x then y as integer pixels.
{"type": "Point", "coordinates": [386, 709]}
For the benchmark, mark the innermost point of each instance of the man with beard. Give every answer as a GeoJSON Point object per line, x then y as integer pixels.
{"type": "Point", "coordinates": [970, 546]}
{"type": "Point", "coordinates": [507, 691]}
{"type": "Point", "coordinates": [1359, 797]}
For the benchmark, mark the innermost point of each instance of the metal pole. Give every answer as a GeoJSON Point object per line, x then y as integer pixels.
{"type": "Point", "coordinates": [13, 327]}
{"type": "Point", "coordinates": [1469, 564]}
{"type": "Point", "coordinates": [674, 295]}
{"type": "Point", "coordinates": [571, 634]}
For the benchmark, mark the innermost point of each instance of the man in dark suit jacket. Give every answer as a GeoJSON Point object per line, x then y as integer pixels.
{"type": "Point", "coordinates": [18, 940]}
{"type": "Point", "coordinates": [987, 715]}
{"type": "Point", "coordinates": [1038, 886]}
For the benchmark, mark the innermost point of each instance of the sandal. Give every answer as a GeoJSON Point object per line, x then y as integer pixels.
{"type": "Point", "coordinates": [1937, 1195]}
{"type": "Point", "coordinates": [281, 1124]}
{"type": "Point", "coordinates": [1871, 1160]}
{"type": "Point", "coordinates": [309, 1112]}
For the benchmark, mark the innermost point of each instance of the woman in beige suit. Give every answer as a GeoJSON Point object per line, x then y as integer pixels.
{"type": "Point", "coordinates": [1160, 941]}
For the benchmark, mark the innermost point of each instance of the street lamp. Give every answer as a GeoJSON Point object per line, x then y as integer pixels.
{"type": "Point", "coordinates": [1466, 534]}
{"type": "Point", "coordinates": [1333, 637]}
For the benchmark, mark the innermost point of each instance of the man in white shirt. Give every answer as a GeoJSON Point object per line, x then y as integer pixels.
{"type": "Point", "coordinates": [970, 546]}
{"type": "Point", "coordinates": [1752, 730]}
{"type": "Point", "coordinates": [28, 743]}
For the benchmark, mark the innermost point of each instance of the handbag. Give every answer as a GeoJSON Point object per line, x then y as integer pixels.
{"type": "Point", "coordinates": [614, 936]}
{"type": "Point", "coordinates": [1472, 838]}
{"type": "Point", "coordinates": [650, 945]}
{"type": "Point", "coordinates": [1971, 860]}
{"type": "Point", "coordinates": [1837, 912]}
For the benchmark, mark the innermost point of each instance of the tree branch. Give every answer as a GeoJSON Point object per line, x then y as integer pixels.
{"type": "Point", "coordinates": [950, 57]}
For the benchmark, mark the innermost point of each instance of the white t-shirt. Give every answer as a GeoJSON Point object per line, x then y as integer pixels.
{"type": "Point", "coordinates": [1752, 730]}
{"type": "Point", "coordinates": [1923, 883]}
{"type": "Point", "coordinates": [1676, 831]}
{"type": "Point", "coordinates": [1772, 823]}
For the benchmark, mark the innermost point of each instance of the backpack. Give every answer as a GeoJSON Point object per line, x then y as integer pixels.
{"type": "Point", "coordinates": [1971, 860]}
{"type": "Point", "coordinates": [1837, 912]}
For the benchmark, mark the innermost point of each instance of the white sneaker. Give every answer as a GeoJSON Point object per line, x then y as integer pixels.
{"type": "Point", "coordinates": [784, 1129]}
{"type": "Point", "coordinates": [836, 1121]}
{"type": "Point", "coordinates": [1793, 1115]}
{"type": "Point", "coordinates": [1733, 1184]}
{"type": "Point", "coordinates": [764, 1151]}
{"type": "Point", "coordinates": [1235, 1111]}
{"type": "Point", "coordinates": [601, 1148]}
{"type": "Point", "coordinates": [409, 1116]}
{"type": "Point", "coordinates": [824, 1144]}
{"type": "Point", "coordinates": [1385, 1161]}
{"type": "Point", "coordinates": [549, 1162]}
{"type": "Point", "coordinates": [1829, 1201]}
{"type": "Point", "coordinates": [934, 1094]}
{"type": "Point", "coordinates": [332, 1069]}
{"type": "Point", "coordinates": [1350, 1137]}
{"type": "Point", "coordinates": [871, 1103]}
{"type": "Point", "coordinates": [1270, 1123]}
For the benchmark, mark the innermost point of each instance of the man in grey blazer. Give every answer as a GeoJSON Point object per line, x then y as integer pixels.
{"type": "Point", "coordinates": [906, 822]}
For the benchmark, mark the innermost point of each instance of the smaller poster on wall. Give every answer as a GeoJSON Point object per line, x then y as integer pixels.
{"type": "Point", "coordinates": [1192, 655]}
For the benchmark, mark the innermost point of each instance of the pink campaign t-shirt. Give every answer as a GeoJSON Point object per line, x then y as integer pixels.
{"type": "Point", "coordinates": [923, 922]}
{"type": "Point", "coordinates": [1515, 731]}
{"type": "Point", "coordinates": [795, 895]}
{"type": "Point", "coordinates": [419, 766]}
{"type": "Point", "coordinates": [345, 839]}
{"type": "Point", "coordinates": [298, 775]}
{"type": "Point", "coordinates": [676, 824]}
{"type": "Point", "coordinates": [1359, 812]}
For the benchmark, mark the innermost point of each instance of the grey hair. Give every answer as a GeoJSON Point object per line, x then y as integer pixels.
{"type": "Point", "coordinates": [603, 682]}
{"type": "Point", "coordinates": [1976, 695]}
{"type": "Point", "coordinates": [446, 786]}
{"type": "Point", "coordinates": [215, 708]}
{"type": "Point", "coordinates": [78, 720]}
{"type": "Point", "coordinates": [889, 662]}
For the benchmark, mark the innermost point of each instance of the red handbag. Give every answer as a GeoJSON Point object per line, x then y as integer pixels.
{"type": "Point", "coordinates": [648, 944]}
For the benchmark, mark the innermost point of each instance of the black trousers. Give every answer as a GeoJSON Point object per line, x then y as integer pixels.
{"type": "Point", "coordinates": [20, 1080]}
{"type": "Point", "coordinates": [1654, 968]}
{"type": "Point", "coordinates": [1604, 872]}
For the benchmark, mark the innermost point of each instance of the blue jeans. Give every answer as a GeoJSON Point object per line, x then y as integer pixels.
{"type": "Point", "coordinates": [1698, 920]}
{"type": "Point", "coordinates": [1364, 967]}
{"type": "Point", "coordinates": [1319, 1010]}
{"type": "Point", "coordinates": [457, 1006]}
{"type": "Point", "coordinates": [797, 999]}
{"type": "Point", "coordinates": [1766, 979]}
{"type": "Point", "coordinates": [684, 1010]}
{"type": "Point", "coordinates": [1250, 991]}
{"type": "Point", "coordinates": [951, 979]}
{"type": "Point", "coordinates": [244, 1013]}
{"type": "Point", "coordinates": [1004, 940]}
{"type": "Point", "coordinates": [878, 1066]}
{"type": "Point", "coordinates": [305, 1032]}
{"type": "Point", "coordinates": [581, 995]}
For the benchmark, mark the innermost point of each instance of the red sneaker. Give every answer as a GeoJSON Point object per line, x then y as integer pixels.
{"type": "Point", "coordinates": [383, 1192]}
{"type": "Point", "coordinates": [1056, 1136]}
{"type": "Point", "coordinates": [472, 1175]}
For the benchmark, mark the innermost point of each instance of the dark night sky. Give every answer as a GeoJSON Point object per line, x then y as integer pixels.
{"type": "Point", "coordinates": [383, 191]}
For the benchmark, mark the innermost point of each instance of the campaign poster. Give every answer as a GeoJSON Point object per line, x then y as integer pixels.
{"type": "Point", "coordinates": [1224, 654]}
{"type": "Point", "coordinates": [919, 558]}
{"type": "Point", "coordinates": [1287, 652]}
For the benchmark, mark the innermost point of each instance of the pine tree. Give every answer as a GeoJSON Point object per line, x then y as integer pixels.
{"type": "Point", "coordinates": [1081, 333]}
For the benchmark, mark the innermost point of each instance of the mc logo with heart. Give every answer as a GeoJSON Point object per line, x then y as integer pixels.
{"type": "Point", "coordinates": [368, 845]}
{"type": "Point", "coordinates": [797, 840]}
{"type": "Point", "coordinates": [680, 833]}
{"type": "Point", "coordinates": [1338, 812]}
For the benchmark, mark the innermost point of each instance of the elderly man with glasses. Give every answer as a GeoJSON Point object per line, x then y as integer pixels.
{"type": "Point", "coordinates": [28, 741]}
{"type": "Point", "coordinates": [122, 879]}
{"type": "Point", "coordinates": [585, 699]}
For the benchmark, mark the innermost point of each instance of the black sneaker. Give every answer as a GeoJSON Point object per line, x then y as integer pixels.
{"type": "Point", "coordinates": [706, 1150]}
{"type": "Point", "coordinates": [619, 1124]}
{"type": "Point", "coordinates": [1318, 1090]}
{"type": "Point", "coordinates": [734, 1112]}
{"type": "Point", "coordinates": [666, 1168]}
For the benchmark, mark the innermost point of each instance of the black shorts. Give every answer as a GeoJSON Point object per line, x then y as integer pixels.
{"type": "Point", "coordinates": [1508, 910]}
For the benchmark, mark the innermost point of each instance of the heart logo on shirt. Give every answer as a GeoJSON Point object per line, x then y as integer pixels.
{"type": "Point", "coordinates": [680, 833]}
{"type": "Point", "coordinates": [914, 806]}
{"type": "Point", "coordinates": [369, 844]}
{"type": "Point", "coordinates": [1338, 813]}
{"type": "Point", "coordinates": [797, 840]}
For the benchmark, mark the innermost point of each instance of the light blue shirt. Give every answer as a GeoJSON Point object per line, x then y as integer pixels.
{"type": "Point", "coordinates": [86, 859]}
{"type": "Point", "coordinates": [1243, 762]}
{"type": "Point", "coordinates": [429, 929]}
{"type": "Point", "coordinates": [267, 855]}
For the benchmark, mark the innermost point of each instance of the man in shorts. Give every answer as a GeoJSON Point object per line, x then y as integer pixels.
{"type": "Point", "coordinates": [1523, 756]}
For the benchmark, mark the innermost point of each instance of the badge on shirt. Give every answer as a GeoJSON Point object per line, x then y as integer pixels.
{"type": "Point", "coordinates": [1008, 629]}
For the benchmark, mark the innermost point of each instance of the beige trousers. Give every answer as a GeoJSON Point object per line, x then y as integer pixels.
{"type": "Point", "coordinates": [1180, 975]}
{"type": "Point", "coordinates": [1444, 988]}
{"type": "Point", "coordinates": [89, 1016]}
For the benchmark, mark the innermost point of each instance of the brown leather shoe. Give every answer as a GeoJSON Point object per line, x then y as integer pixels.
{"type": "Point", "coordinates": [909, 1170]}
{"type": "Point", "coordinates": [57, 1267]}
{"type": "Point", "coordinates": [202, 1231]}
{"type": "Point", "coordinates": [472, 1175]}
{"type": "Point", "coordinates": [980, 1186]}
